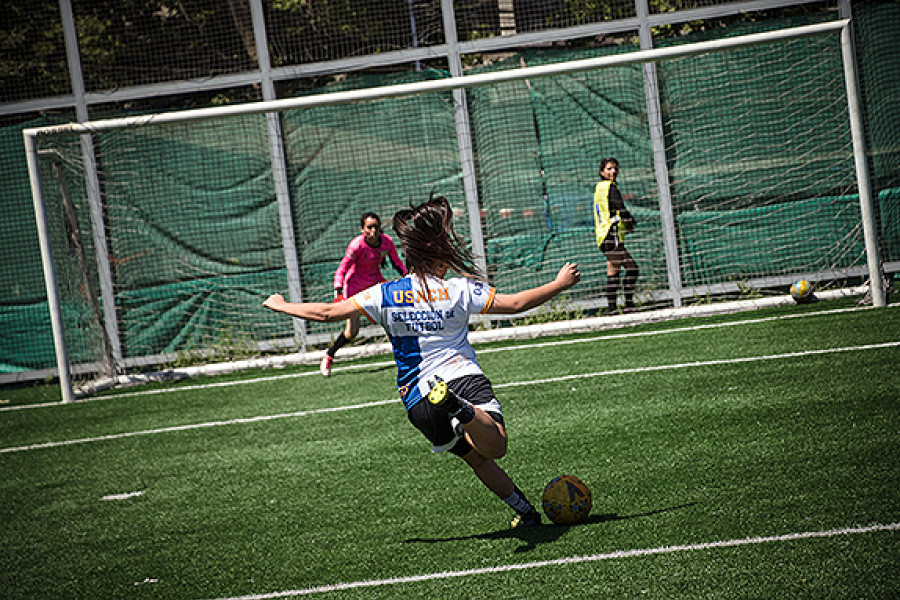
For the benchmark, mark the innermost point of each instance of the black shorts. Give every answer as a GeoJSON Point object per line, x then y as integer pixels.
{"type": "Point", "coordinates": [611, 243]}
{"type": "Point", "coordinates": [435, 424]}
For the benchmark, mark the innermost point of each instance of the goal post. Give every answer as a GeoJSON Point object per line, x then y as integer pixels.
{"type": "Point", "coordinates": [56, 323]}
{"type": "Point", "coordinates": [196, 234]}
{"type": "Point", "coordinates": [866, 202]}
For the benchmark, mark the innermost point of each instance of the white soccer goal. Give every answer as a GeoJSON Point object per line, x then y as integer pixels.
{"type": "Point", "coordinates": [161, 234]}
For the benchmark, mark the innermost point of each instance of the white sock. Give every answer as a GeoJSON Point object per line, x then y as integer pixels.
{"type": "Point", "coordinates": [518, 502]}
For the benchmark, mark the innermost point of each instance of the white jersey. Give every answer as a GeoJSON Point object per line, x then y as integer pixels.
{"type": "Point", "coordinates": [428, 327]}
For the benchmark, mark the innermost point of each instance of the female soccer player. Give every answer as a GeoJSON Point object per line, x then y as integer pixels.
{"type": "Point", "coordinates": [611, 222]}
{"type": "Point", "coordinates": [360, 268]}
{"type": "Point", "coordinates": [446, 394]}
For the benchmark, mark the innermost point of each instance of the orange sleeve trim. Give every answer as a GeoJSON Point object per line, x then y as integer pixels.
{"type": "Point", "coordinates": [490, 301]}
{"type": "Point", "coordinates": [360, 309]}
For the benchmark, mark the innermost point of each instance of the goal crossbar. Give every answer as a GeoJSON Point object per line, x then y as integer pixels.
{"type": "Point", "coordinates": [453, 83]}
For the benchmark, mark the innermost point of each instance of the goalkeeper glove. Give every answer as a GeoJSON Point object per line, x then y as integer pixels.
{"type": "Point", "coordinates": [338, 295]}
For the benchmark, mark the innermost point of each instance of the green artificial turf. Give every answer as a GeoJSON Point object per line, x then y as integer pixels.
{"type": "Point", "coordinates": [696, 440]}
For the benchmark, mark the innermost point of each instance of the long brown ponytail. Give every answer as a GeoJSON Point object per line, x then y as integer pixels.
{"type": "Point", "coordinates": [428, 240]}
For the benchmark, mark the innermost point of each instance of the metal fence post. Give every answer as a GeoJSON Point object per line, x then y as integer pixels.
{"type": "Point", "coordinates": [660, 168]}
{"type": "Point", "coordinates": [279, 171]}
{"type": "Point", "coordinates": [464, 137]}
{"type": "Point", "coordinates": [92, 182]}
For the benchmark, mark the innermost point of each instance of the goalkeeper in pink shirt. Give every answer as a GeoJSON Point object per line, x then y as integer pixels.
{"type": "Point", "coordinates": [361, 269]}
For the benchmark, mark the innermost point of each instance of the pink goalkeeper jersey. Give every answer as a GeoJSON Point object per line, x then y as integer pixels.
{"type": "Point", "coordinates": [361, 266]}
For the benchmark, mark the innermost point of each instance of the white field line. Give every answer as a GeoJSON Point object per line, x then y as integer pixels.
{"type": "Point", "coordinates": [125, 496]}
{"type": "Point", "coordinates": [674, 330]}
{"type": "Point", "coordinates": [705, 363]}
{"type": "Point", "coordinates": [117, 436]}
{"type": "Point", "coordinates": [480, 351]}
{"type": "Point", "coordinates": [201, 386]}
{"type": "Point", "coordinates": [502, 385]}
{"type": "Point", "coordinates": [617, 555]}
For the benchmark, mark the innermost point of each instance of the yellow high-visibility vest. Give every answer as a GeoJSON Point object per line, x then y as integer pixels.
{"type": "Point", "coordinates": [602, 215]}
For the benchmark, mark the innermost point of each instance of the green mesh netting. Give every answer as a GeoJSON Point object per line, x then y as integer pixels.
{"type": "Point", "coordinates": [193, 221]}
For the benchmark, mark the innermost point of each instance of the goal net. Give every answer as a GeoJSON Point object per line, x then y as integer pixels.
{"type": "Point", "coordinates": [758, 157]}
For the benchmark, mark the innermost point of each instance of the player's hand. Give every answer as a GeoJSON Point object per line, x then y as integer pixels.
{"type": "Point", "coordinates": [568, 275]}
{"type": "Point", "coordinates": [274, 302]}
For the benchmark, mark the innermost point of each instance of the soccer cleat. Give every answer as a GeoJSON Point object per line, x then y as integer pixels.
{"type": "Point", "coordinates": [442, 396]}
{"type": "Point", "coordinates": [325, 365]}
{"type": "Point", "coordinates": [532, 519]}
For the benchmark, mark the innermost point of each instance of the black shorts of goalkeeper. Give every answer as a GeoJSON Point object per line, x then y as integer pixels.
{"type": "Point", "coordinates": [612, 243]}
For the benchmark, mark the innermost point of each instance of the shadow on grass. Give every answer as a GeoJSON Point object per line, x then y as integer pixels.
{"type": "Point", "coordinates": [379, 368]}
{"type": "Point", "coordinates": [532, 536]}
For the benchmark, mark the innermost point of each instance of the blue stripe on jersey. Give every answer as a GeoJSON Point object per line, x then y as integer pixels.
{"type": "Point", "coordinates": [407, 352]}
{"type": "Point", "coordinates": [408, 356]}
{"type": "Point", "coordinates": [397, 293]}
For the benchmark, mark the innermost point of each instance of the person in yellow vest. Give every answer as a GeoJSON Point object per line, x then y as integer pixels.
{"type": "Point", "coordinates": [612, 222]}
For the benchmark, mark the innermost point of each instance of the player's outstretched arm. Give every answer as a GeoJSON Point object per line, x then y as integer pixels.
{"type": "Point", "coordinates": [311, 311]}
{"type": "Point", "coordinates": [505, 304]}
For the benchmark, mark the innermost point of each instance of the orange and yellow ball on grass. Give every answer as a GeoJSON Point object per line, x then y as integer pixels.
{"type": "Point", "coordinates": [566, 500]}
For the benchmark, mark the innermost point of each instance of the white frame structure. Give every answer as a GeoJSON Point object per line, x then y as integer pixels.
{"type": "Point", "coordinates": [458, 84]}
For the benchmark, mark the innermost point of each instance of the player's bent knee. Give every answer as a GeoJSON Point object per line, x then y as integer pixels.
{"type": "Point", "coordinates": [493, 449]}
